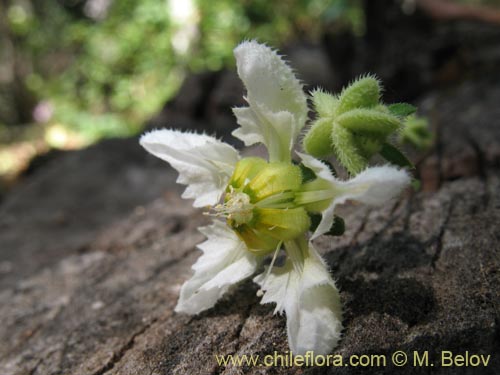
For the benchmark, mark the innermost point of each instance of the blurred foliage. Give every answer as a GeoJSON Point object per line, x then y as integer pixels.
{"type": "Point", "coordinates": [75, 71]}
{"type": "Point", "coordinates": [100, 68]}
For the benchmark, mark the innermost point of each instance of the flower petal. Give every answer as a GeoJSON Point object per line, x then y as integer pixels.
{"type": "Point", "coordinates": [269, 80]}
{"type": "Point", "coordinates": [204, 163]}
{"type": "Point", "coordinates": [311, 301]}
{"type": "Point", "coordinates": [319, 168]}
{"type": "Point", "coordinates": [278, 105]}
{"type": "Point", "coordinates": [315, 322]}
{"type": "Point", "coordinates": [274, 129]}
{"type": "Point", "coordinates": [225, 262]}
{"type": "Point", "coordinates": [374, 186]}
{"type": "Point", "coordinates": [249, 131]}
{"type": "Point", "coordinates": [281, 285]}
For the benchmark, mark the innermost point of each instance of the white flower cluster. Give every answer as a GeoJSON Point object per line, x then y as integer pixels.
{"type": "Point", "coordinates": [265, 204]}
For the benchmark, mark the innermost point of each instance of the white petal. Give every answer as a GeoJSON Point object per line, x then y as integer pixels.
{"type": "Point", "coordinates": [281, 285]}
{"type": "Point", "coordinates": [327, 219]}
{"type": "Point", "coordinates": [311, 302]}
{"type": "Point", "coordinates": [316, 323]}
{"type": "Point", "coordinates": [204, 163]}
{"type": "Point", "coordinates": [317, 166]}
{"type": "Point", "coordinates": [225, 262]}
{"type": "Point", "coordinates": [273, 129]}
{"type": "Point", "coordinates": [271, 89]}
{"type": "Point", "coordinates": [269, 80]}
{"type": "Point", "coordinates": [250, 131]}
{"type": "Point", "coordinates": [374, 186]}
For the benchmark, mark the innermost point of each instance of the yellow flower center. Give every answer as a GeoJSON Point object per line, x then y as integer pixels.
{"type": "Point", "coordinates": [259, 204]}
{"type": "Point", "coordinates": [236, 208]}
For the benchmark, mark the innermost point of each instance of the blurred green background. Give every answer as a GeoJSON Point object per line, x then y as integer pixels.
{"type": "Point", "coordinates": [75, 71]}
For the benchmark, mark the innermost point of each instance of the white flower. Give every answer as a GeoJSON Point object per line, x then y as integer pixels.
{"type": "Point", "coordinates": [277, 112]}
{"type": "Point", "coordinates": [266, 204]}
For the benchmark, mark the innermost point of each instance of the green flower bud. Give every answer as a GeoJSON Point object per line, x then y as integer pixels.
{"type": "Point", "coordinates": [347, 150]}
{"type": "Point", "coordinates": [369, 121]}
{"type": "Point", "coordinates": [317, 141]}
{"type": "Point", "coordinates": [362, 93]}
{"type": "Point", "coordinates": [324, 103]}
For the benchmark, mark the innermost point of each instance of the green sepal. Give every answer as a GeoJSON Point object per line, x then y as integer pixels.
{"type": "Point", "coordinates": [324, 103]}
{"type": "Point", "coordinates": [337, 228]}
{"type": "Point", "coordinates": [369, 121]}
{"type": "Point", "coordinates": [246, 168]}
{"type": "Point", "coordinates": [316, 185]}
{"type": "Point", "coordinates": [362, 93]}
{"type": "Point", "coordinates": [317, 141]}
{"type": "Point", "coordinates": [347, 151]}
{"type": "Point", "coordinates": [257, 242]}
{"type": "Point", "coordinates": [282, 224]}
{"type": "Point", "coordinates": [394, 156]}
{"type": "Point", "coordinates": [402, 109]}
{"type": "Point", "coordinates": [274, 178]}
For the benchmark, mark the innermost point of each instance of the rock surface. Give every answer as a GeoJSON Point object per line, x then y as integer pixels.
{"type": "Point", "coordinates": [95, 245]}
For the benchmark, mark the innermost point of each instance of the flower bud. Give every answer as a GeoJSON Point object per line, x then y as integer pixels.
{"type": "Point", "coordinates": [318, 141]}
{"type": "Point", "coordinates": [362, 93]}
{"type": "Point", "coordinates": [324, 103]}
{"type": "Point", "coordinates": [369, 121]}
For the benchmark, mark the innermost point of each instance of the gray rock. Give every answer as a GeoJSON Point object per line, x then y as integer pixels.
{"type": "Point", "coordinates": [96, 244]}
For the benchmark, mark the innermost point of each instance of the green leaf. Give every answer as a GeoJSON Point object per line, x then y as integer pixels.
{"type": "Point", "coordinates": [394, 156]}
{"type": "Point", "coordinates": [402, 109]}
{"type": "Point", "coordinates": [369, 121]}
